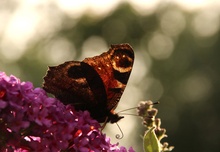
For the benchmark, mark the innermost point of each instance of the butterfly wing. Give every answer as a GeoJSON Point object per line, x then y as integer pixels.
{"type": "Point", "coordinates": [95, 84]}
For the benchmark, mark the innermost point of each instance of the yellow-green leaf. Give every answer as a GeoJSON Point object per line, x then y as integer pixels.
{"type": "Point", "coordinates": [151, 143]}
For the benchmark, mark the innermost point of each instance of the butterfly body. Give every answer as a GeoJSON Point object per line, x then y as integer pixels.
{"type": "Point", "coordinates": [94, 84]}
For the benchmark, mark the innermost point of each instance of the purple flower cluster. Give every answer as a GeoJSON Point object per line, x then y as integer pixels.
{"type": "Point", "coordinates": [32, 121]}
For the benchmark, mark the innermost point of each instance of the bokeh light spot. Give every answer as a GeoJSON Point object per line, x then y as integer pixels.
{"type": "Point", "coordinates": [94, 45]}
{"type": "Point", "coordinates": [57, 51]}
{"type": "Point", "coordinates": [206, 23]}
{"type": "Point", "coordinates": [160, 46]}
{"type": "Point", "coordinates": [196, 87]}
{"type": "Point", "coordinates": [172, 22]}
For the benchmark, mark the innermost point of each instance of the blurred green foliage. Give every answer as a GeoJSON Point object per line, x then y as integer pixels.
{"type": "Point", "coordinates": [178, 50]}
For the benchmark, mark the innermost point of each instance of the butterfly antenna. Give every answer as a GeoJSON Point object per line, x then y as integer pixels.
{"type": "Point", "coordinates": [130, 114]}
{"type": "Point", "coordinates": [121, 112]}
{"type": "Point", "coordinates": [117, 135]}
{"type": "Point", "coordinates": [127, 109]}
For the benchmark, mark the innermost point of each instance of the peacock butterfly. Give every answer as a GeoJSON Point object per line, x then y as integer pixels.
{"type": "Point", "coordinates": [96, 84]}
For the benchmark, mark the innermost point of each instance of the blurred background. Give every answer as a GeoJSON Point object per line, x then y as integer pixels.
{"type": "Point", "coordinates": [177, 50]}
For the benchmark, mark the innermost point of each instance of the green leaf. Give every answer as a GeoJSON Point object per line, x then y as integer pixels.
{"type": "Point", "coordinates": [151, 143]}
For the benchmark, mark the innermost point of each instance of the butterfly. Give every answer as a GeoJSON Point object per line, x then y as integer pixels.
{"type": "Point", "coordinates": [95, 84]}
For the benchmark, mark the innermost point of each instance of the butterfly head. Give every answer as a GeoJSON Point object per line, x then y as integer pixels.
{"type": "Point", "coordinates": [114, 118]}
